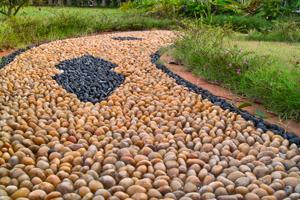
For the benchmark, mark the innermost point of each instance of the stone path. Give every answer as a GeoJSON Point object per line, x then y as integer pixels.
{"type": "Point", "coordinates": [150, 139]}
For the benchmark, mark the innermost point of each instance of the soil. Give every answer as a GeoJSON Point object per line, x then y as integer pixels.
{"type": "Point", "coordinates": [181, 70]}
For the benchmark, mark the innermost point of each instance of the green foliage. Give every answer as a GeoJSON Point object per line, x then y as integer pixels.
{"type": "Point", "coordinates": [34, 26]}
{"type": "Point", "coordinates": [11, 7]}
{"type": "Point", "coordinates": [187, 8]}
{"type": "Point", "coordinates": [272, 8]}
{"type": "Point", "coordinates": [208, 53]}
{"type": "Point", "coordinates": [281, 31]}
{"type": "Point", "coordinates": [240, 23]}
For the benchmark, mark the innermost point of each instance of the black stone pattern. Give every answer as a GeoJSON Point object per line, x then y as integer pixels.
{"type": "Point", "coordinates": [91, 79]}
{"type": "Point", "coordinates": [259, 123]}
{"type": "Point", "coordinates": [126, 38]}
{"type": "Point", "coordinates": [11, 57]}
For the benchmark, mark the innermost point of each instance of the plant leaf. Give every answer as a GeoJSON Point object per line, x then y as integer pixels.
{"type": "Point", "coordinates": [244, 105]}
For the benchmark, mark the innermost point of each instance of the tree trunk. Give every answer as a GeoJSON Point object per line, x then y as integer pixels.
{"type": "Point", "coordinates": [50, 2]}
{"type": "Point", "coordinates": [103, 3]}
{"type": "Point", "coordinates": [69, 2]}
{"type": "Point", "coordinates": [60, 2]}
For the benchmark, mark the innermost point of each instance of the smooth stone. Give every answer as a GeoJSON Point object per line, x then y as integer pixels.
{"type": "Point", "coordinates": [37, 195]}
{"type": "Point", "coordinates": [107, 181]}
{"type": "Point", "coordinates": [65, 187]}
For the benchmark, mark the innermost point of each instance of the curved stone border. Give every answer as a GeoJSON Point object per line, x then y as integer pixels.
{"type": "Point", "coordinates": [259, 123]}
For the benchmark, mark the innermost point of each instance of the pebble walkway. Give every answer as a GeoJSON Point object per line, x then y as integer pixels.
{"type": "Point", "coordinates": [150, 139]}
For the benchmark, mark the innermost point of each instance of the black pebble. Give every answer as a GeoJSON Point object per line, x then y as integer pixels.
{"type": "Point", "coordinates": [91, 79]}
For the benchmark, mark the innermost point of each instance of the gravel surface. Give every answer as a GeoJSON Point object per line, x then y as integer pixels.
{"type": "Point", "coordinates": [150, 139]}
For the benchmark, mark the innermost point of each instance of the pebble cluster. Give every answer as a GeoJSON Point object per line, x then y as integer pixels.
{"type": "Point", "coordinates": [150, 139]}
{"type": "Point", "coordinates": [90, 78]}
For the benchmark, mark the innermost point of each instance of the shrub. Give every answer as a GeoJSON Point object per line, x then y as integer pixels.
{"type": "Point", "coordinates": [58, 24]}
{"type": "Point", "coordinates": [186, 8]}
{"type": "Point", "coordinates": [208, 53]}
{"type": "Point", "coordinates": [240, 23]}
{"type": "Point", "coordinates": [282, 31]}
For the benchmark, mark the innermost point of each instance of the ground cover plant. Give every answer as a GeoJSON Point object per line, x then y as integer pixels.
{"type": "Point", "coordinates": [208, 53]}
{"type": "Point", "coordinates": [34, 25]}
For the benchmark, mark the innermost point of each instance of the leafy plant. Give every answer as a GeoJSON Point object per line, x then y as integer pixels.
{"type": "Point", "coordinates": [11, 7]}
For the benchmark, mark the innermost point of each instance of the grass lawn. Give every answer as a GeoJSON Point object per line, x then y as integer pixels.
{"type": "Point", "coordinates": [286, 55]}
{"type": "Point", "coordinates": [38, 24]}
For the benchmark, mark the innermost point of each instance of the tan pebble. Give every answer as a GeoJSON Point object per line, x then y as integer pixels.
{"type": "Point", "coordinates": [235, 175]}
{"type": "Point", "coordinates": [71, 196]}
{"type": "Point", "coordinates": [227, 197]}
{"type": "Point", "coordinates": [241, 190]}
{"type": "Point", "coordinates": [208, 195]}
{"type": "Point", "coordinates": [291, 181]}
{"type": "Point", "coordinates": [217, 169]}
{"type": "Point", "coordinates": [251, 196]}
{"type": "Point", "coordinates": [164, 189]}
{"type": "Point", "coordinates": [139, 196]}
{"type": "Point", "coordinates": [53, 179]}
{"type": "Point", "coordinates": [145, 183]}
{"type": "Point", "coordinates": [105, 193]}
{"type": "Point", "coordinates": [37, 195]}
{"type": "Point", "coordinates": [280, 194]}
{"type": "Point", "coordinates": [221, 191]}
{"type": "Point", "coordinates": [28, 161]}
{"type": "Point", "coordinates": [83, 190]}
{"type": "Point", "coordinates": [95, 185]}
{"type": "Point", "coordinates": [189, 187]}
{"type": "Point", "coordinates": [268, 198]}
{"type": "Point", "coordinates": [126, 182]}
{"type": "Point", "coordinates": [260, 192]}
{"type": "Point", "coordinates": [52, 195]}
{"type": "Point", "coordinates": [267, 188]}
{"type": "Point", "coordinates": [121, 195]}
{"type": "Point", "coordinates": [207, 147]}
{"type": "Point", "coordinates": [22, 192]}
{"type": "Point", "coordinates": [242, 181]}
{"type": "Point", "coordinates": [135, 189]}
{"type": "Point", "coordinates": [154, 193]}
{"type": "Point", "coordinates": [260, 171]}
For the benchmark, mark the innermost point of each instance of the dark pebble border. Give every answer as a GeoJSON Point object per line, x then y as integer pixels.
{"type": "Point", "coordinates": [91, 79]}
{"type": "Point", "coordinates": [126, 38]}
{"type": "Point", "coordinates": [5, 60]}
{"type": "Point", "coordinates": [259, 123]}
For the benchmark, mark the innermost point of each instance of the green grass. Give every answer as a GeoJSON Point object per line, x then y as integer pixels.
{"type": "Point", "coordinates": [262, 72]}
{"type": "Point", "coordinates": [280, 32]}
{"type": "Point", "coordinates": [35, 25]}
{"type": "Point", "coordinates": [286, 55]}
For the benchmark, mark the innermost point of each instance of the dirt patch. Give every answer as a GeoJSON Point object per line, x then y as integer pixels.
{"type": "Point", "coordinates": [254, 109]}
{"type": "Point", "coordinates": [6, 52]}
